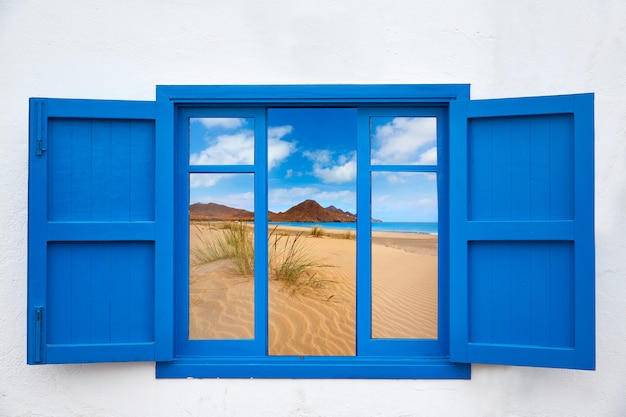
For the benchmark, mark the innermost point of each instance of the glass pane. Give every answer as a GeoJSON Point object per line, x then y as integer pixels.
{"type": "Point", "coordinates": [404, 255]}
{"type": "Point", "coordinates": [221, 141]}
{"type": "Point", "coordinates": [312, 238]}
{"type": "Point", "coordinates": [403, 140]}
{"type": "Point", "coordinates": [221, 256]}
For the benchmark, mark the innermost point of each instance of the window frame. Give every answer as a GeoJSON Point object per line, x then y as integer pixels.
{"type": "Point", "coordinates": [575, 304]}
{"type": "Point", "coordinates": [376, 359]}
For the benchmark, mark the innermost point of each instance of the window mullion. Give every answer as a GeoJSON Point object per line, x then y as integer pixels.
{"type": "Point", "coordinates": [260, 236]}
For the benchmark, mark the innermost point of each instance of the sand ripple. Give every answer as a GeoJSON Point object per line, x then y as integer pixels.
{"type": "Point", "coordinates": [321, 321]}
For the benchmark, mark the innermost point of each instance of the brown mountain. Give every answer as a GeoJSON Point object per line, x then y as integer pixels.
{"type": "Point", "coordinates": [311, 211]}
{"type": "Point", "coordinates": [213, 211]}
{"type": "Point", "coordinates": [307, 211]}
{"type": "Point", "coordinates": [338, 210]}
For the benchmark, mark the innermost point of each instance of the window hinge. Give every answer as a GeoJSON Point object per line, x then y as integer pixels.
{"type": "Point", "coordinates": [38, 333]}
{"type": "Point", "coordinates": [39, 147]}
{"type": "Point", "coordinates": [40, 116]}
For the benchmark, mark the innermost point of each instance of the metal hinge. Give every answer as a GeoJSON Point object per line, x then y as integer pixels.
{"type": "Point", "coordinates": [38, 333]}
{"type": "Point", "coordinates": [39, 150]}
{"type": "Point", "coordinates": [41, 119]}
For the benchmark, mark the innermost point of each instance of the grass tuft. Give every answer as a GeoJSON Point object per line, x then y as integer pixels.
{"type": "Point", "coordinates": [317, 231]}
{"type": "Point", "coordinates": [289, 260]}
{"type": "Point", "coordinates": [235, 241]}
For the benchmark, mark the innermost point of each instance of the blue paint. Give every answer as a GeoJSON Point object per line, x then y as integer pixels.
{"type": "Point", "coordinates": [521, 240]}
{"type": "Point", "coordinates": [516, 214]}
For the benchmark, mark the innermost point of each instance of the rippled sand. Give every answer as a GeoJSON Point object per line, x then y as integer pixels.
{"type": "Point", "coordinates": [319, 319]}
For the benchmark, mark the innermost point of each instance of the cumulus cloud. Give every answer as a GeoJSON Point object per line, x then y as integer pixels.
{"type": "Point", "coordinates": [278, 149]}
{"type": "Point", "coordinates": [403, 141]}
{"type": "Point", "coordinates": [330, 170]}
{"type": "Point", "coordinates": [428, 157]}
{"type": "Point", "coordinates": [221, 122]}
{"type": "Point", "coordinates": [204, 180]}
{"type": "Point", "coordinates": [237, 147]}
{"type": "Point", "coordinates": [227, 149]}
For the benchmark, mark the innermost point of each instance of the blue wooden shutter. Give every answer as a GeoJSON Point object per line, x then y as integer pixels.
{"type": "Point", "coordinates": [522, 253]}
{"type": "Point", "coordinates": [98, 260]}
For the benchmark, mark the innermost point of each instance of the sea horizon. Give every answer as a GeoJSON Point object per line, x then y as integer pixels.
{"type": "Point", "coordinates": [401, 227]}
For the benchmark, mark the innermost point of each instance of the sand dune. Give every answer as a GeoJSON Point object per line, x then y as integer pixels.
{"type": "Point", "coordinates": [320, 319]}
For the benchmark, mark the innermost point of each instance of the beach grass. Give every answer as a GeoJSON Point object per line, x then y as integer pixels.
{"type": "Point", "coordinates": [289, 261]}
{"type": "Point", "coordinates": [317, 231]}
{"type": "Point", "coordinates": [236, 242]}
{"type": "Point", "coordinates": [347, 234]}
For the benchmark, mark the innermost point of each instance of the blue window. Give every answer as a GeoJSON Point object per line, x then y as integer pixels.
{"type": "Point", "coordinates": [397, 231]}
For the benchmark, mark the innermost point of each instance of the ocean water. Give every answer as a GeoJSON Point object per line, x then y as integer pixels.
{"type": "Point", "coordinates": [426, 228]}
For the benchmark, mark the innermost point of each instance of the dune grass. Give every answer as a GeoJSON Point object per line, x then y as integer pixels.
{"type": "Point", "coordinates": [289, 261]}
{"type": "Point", "coordinates": [235, 242]}
{"type": "Point", "coordinates": [317, 231]}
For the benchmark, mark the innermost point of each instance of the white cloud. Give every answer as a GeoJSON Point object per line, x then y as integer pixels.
{"type": "Point", "coordinates": [232, 149]}
{"type": "Point", "coordinates": [341, 171]}
{"type": "Point", "coordinates": [278, 132]}
{"type": "Point", "coordinates": [395, 179]}
{"type": "Point", "coordinates": [204, 180]}
{"type": "Point", "coordinates": [319, 156]}
{"type": "Point", "coordinates": [428, 157]}
{"type": "Point", "coordinates": [238, 148]}
{"type": "Point", "coordinates": [221, 122]}
{"type": "Point", "coordinates": [278, 149]}
{"type": "Point", "coordinates": [337, 174]}
{"type": "Point", "coordinates": [404, 177]}
{"type": "Point", "coordinates": [401, 141]}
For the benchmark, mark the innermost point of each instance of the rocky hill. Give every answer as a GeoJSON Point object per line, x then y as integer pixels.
{"type": "Point", "coordinates": [312, 211]}
{"type": "Point", "coordinates": [307, 211]}
{"type": "Point", "coordinates": [213, 211]}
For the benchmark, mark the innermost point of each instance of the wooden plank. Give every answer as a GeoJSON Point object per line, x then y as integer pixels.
{"type": "Point", "coordinates": [100, 293]}
{"type": "Point", "coordinates": [540, 168]}
{"type": "Point", "coordinates": [520, 169]}
{"type": "Point", "coordinates": [141, 289]}
{"type": "Point", "coordinates": [101, 170]}
{"type": "Point", "coordinates": [121, 296]}
{"type": "Point", "coordinates": [120, 171]}
{"type": "Point", "coordinates": [561, 167]}
{"type": "Point", "coordinates": [142, 170]}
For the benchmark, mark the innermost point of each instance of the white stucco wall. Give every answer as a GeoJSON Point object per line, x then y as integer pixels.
{"type": "Point", "coordinates": [122, 49]}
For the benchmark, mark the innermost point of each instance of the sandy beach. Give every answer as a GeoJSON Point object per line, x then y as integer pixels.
{"type": "Point", "coordinates": [316, 316]}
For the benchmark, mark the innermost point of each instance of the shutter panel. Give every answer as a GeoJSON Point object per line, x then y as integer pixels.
{"type": "Point", "coordinates": [522, 239]}
{"type": "Point", "coordinates": [97, 257]}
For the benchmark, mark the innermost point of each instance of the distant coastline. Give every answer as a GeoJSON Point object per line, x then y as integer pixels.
{"type": "Point", "coordinates": [401, 227]}
{"type": "Point", "coordinates": [306, 214]}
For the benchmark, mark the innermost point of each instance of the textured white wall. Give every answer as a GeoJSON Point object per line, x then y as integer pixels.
{"type": "Point", "coordinates": [122, 49]}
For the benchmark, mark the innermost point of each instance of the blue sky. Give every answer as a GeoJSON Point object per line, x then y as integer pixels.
{"type": "Point", "coordinates": [312, 155]}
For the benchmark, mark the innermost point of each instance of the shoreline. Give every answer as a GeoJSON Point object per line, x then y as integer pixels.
{"type": "Point", "coordinates": [328, 226]}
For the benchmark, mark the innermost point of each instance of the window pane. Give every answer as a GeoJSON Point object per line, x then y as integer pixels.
{"type": "Point", "coordinates": [221, 256]}
{"type": "Point", "coordinates": [404, 255]}
{"type": "Point", "coordinates": [403, 140]}
{"type": "Point", "coordinates": [312, 238]}
{"type": "Point", "coordinates": [221, 141]}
